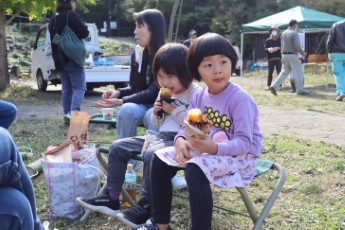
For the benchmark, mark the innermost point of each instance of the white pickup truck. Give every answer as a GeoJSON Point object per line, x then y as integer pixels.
{"type": "Point", "coordinates": [43, 68]}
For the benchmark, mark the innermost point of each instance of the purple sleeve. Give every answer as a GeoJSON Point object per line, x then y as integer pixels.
{"type": "Point", "coordinates": [244, 117]}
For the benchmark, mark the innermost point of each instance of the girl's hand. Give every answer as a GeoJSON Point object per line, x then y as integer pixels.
{"type": "Point", "coordinates": [167, 107]}
{"type": "Point", "coordinates": [157, 106]}
{"type": "Point", "coordinates": [109, 103]}
{"type": "Point", "coordinates": [181, 148]}
{"type": "Point", "coordinates": [111, 94]}
{"type": "Point", "coordinates": [203, 145]}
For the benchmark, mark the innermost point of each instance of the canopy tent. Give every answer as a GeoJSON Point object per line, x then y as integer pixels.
{"type": "Point", "coordinates": [309, 21]}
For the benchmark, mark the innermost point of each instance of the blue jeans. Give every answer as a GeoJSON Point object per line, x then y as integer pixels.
{"type": "Point", "coordinates": [8, 112]}
{"type": "Point", "coordinates": [130, 116]}
{"type": "Point", "coordinates": [338, 67]}
{"type": "Point", "coordinates": [73, 87]}
{"type": "Point", "coordinates": [16, 189]}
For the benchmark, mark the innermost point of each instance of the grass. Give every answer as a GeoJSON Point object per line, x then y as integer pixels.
{"type": "Point", "coordinates": [313, 196]}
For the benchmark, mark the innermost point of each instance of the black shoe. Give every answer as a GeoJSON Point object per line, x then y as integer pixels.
{"type": "Point", "coordinates": [304, 93]}
{"type": "Point", "coordinates": [273, 91]}
{"type": "Point", "coordinates": [100, 203]}
{"type": "Point", "coordinates": [137, 215]}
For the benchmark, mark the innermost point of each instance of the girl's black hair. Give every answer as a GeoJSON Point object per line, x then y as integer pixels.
{"type": "Point", "coordinates": [63, 5]}
{"type": "Point", "coordinates": [155, 22]}
{"type": "Point", "coordinates": [171, 58]}
{"type": "Point", "coordinates": [207, 45]}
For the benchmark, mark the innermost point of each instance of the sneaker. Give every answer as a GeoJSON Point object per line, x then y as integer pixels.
{"type": "Point", "coordinates": [137, 215]}
{"type": "Point", "coordinates": [179, 182]}
{"type": "Point", "coordinates": [267, 88]}
{"type": "Point", "coordinates": [340, 97]}
{"type": "Point", "coordinates": [101, 203]}
{"type": "Point", "coordinates": [67, 119]}
{"type": "Point", "coordinates": [273, 91]}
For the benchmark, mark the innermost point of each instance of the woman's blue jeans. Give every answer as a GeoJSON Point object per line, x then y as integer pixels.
{"type": "Point", "coordinates": [73, 87]}
{"type": "Point", "coordinates": [17, 196]}
{"type": "Point", "coordinates": [8, 112]}
{"type": "Point", "coordinates": [130, 116]}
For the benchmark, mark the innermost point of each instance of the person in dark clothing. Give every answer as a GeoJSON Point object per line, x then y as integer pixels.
{"type": "Point", "coordinates": [272, 49]}
{"type": "Point", "coordinates": [192, 36]}
{"type": "Point", "coordinates": [72, 76]}
{"type": "Point", "coordinates": [137, 99]}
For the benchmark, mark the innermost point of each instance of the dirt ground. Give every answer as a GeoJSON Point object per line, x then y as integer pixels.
{"type": "Point", "coordinates": [307, 124]}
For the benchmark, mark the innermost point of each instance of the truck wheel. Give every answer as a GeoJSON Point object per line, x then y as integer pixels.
{"type": "Point", "coordinates": [120, 85]}
{"type": "Point", "coordinates": [41, 83]}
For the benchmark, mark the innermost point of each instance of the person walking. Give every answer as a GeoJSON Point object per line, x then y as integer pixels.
{"type": "Point", "coordinates": [336, 48]}
{"type": "Point", "coordinates": [272, 49]}
{"type": "Point", "coordinates": [290, 60]}
{"type": "Point", "coordinates": [72, 75]}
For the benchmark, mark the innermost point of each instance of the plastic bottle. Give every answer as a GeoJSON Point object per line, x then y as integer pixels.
{"type": "Point", "coordinates": [130, 177]}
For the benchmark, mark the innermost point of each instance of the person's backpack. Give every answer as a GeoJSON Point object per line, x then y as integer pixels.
{"type": "Point", "coordinates": [71, 45]}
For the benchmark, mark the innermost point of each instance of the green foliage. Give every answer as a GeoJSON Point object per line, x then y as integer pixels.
{"type": "Point", "coordinates": [111, 47]}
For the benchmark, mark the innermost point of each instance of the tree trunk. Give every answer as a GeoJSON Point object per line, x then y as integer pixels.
{"type": "Point", "coordinates": [4, 76]}
{"type": "Point", "coordinates": [172, 19]}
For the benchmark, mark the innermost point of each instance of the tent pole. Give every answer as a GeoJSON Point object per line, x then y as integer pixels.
{"type": "Point", "coordinates": [241, 52]}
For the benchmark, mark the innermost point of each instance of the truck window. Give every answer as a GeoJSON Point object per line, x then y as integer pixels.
{"type": "Point", "coordinates": [41, 38]}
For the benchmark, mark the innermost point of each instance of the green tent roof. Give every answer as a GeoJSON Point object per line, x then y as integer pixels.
{"type": "Point", "coordinates": [308, 19]}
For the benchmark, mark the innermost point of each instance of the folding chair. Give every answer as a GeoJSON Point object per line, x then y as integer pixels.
{"type": "Point", "coordinates": [263, 167]}
{"type": "Point", "coordinates": [98, 119]}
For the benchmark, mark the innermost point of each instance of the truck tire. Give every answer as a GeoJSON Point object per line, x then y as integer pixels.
{"type": "Point", "coordinates": [41, 83]}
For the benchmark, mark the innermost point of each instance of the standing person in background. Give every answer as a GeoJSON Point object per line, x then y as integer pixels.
{"type": "Point", "coordinates": [72, 76]}
{"type": "Point", "coordinates": [336, 48]}
{"type": "Point", "coordinates": [272, 49]}
{"type": "Point", "coordinates": [290, 47]}
{"type": "Point", "coordinates": [192, 36]}
{"type": "Point", "coordinates": [8, 112]}
{"type": "Point", "coordinates": [17, 195]}
{"type": "Point", "coordinates": [239, 59]}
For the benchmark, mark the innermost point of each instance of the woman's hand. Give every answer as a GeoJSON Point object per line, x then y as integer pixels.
{"type": "Point", "coordinates": [203, 145]}
{"type": "Point", "coordinates": [181, 147]}
{"type": "Point", "coordinates": [111, 94]}
{"type": "Point", "coordinates": [109, 103]}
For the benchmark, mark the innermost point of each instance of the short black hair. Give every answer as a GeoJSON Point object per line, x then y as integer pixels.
{"type": "Point", "coordinates": [63, 5]}
{"type": "Point", "coordinates": [207, 45]}
{"type": "Point", "coordinates": [293, 22]}
{"type": "Point", "coordinates": [172, 58]}
{"type": "Point", "coordinates": [155, 21]}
